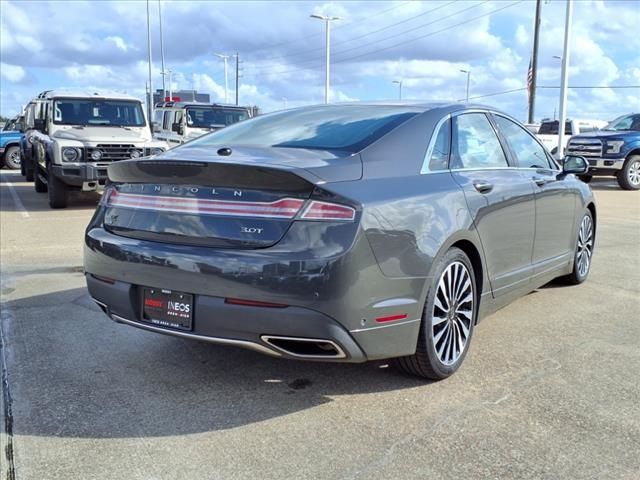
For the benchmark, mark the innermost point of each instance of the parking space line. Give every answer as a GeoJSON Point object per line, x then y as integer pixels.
{"type": "Point", "coordinates": [16, 200]}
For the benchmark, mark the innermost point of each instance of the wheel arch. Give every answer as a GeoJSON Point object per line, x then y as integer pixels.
{"type": "Point", "coordinates": [473, 253]}
{"type": "Point", "coordinates": [592, 208]}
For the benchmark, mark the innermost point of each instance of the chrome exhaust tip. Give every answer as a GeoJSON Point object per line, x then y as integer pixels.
{"type": "Point", "coordinates": [299, 347]}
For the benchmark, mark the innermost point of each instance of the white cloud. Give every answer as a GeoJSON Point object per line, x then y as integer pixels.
{"type": "Point", "coordinates": [13, 73]}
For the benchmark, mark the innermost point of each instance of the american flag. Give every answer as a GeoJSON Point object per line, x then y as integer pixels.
{"type": "Point", "coordinates": [530, 78]}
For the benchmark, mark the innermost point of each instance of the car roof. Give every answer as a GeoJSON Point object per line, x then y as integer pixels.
{"type": "Point", "coordinates": [49, 94]}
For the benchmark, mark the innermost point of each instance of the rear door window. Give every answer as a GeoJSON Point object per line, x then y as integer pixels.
{"type": "Point", "coordinates": [527, 151]}
{"type": "Point", "coordinates": [475, 143]}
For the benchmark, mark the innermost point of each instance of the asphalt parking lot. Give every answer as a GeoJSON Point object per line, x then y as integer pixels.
{"type": "Point", "coordinates": [550, 388]}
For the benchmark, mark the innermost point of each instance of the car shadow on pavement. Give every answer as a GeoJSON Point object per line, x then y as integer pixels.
{"type": "Point", "coordinates": [74, 373]}
{"type": "Point", "coordinates": [604, 183]}
{"type": "Point", "coordinates": [38, 202]}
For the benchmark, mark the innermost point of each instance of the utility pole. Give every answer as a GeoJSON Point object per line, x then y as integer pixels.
{"type": "Point", "coordinates": [327, 21]}
{"type": "Point", "coordinates": [237, 76]}
{"type": "Point", "coordinates": [565, 78]}
{"type": "Point", "coordinates": [164, 90]}
{"type": "Point", "coordinates": [170, 72]}
{"type": "Point", "coordinates": [226, 83]}
{"type": "Point", "coordinates": [150, 106]}
{"type": "Point", "coordinates": [534, 63]}
{"type": "Point", "coordinates": [468, 72]}
{"type": "Point", "coordinates": [399, 82]}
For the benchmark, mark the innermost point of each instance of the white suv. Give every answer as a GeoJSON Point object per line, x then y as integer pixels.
{"type": "Point", "coordinates": [78, 135]}
{"type": "Point", "coordinates": [179, 122]}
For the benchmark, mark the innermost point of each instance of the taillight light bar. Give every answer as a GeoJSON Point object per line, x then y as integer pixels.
{"type": "Point", "coordinates": [318, 210]}
{"type": "Point", "coordinates": [285, 208]}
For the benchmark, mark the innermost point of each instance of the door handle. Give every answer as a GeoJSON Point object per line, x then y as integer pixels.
{"type": "Point", "coordinates": [482, 186]}
{"type": "Point", "coordinates": [540, 181]}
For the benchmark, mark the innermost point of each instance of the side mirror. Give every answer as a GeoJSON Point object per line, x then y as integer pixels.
{"type": "Point", "coordinates": [574, 164]}
{"type": "Point", "coordinates": [39, 124]}
{"type": "Point", "coordinates": [177, 127]}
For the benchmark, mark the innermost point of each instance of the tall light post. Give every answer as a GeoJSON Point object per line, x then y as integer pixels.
{"type": "Point", "coordinates": [170, 72]}
{"type": "Point", "coordinates": [150, 106]}
{"type": "Point", "coordinates": [164, 89]}
{"type": "Point", "coordinates": [565, 79]}
{"type": "Point", "coordinates": [327, 21]}
{"type": "Point", "coordinates": [399, 82]}
{"type": "Point", "coordinates": [468, 72]}
{"type": "Point", "coordinates": [226, 83]}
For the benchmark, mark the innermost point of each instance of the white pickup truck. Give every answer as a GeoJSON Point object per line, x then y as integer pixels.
{"type": "Point", "coordinates": [548, 132]}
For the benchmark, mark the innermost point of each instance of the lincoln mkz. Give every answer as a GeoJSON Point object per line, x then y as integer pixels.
{"type": "Point", "coordinates": [342, 233]}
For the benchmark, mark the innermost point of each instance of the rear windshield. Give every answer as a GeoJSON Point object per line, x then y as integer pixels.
{"type": "Point", "coordinates": [336, 127]}
{"type": "Point", "coordinates": [551, 128]}
{"type": "Point", "coordinates": [203, 117]}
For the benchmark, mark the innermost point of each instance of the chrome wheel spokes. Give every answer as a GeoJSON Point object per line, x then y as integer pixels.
{"type": "Point", "coordinates": [634, 173]}
{"type": "Point", "coordinates": [585, 246]}
{"type": "Point", "coordinates": [452, 313]}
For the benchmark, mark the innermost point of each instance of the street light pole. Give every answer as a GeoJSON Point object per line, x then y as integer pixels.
{"type": "Point", "coordinates": [565, 79]}
{"type": "Point", "coordinates": [150, 106]}
{"type": "Point", "coordinates": [468, 72]}
{"type": "Point", "coordinates": [226, 83]}
{"type": "Point", "coordinates": [327, 21]}
{"type": "Point", "coordinates": [170, 72]}
{"type": "Point", "coordinates": [164, 89]}
{"type": "Point", "coordinates": [399, 82]}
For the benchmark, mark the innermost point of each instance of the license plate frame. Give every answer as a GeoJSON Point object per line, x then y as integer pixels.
{"type": "Point", "coordinates": [167, 308]}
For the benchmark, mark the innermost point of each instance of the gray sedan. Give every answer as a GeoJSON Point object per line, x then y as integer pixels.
{"type": "Point", "coordinates": [340, 233]}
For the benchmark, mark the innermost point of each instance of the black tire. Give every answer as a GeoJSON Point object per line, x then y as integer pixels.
{"type": "Point", "coordinates": [585, 178]}
{"type": "Point", "coordinates": [29, 177]}
{"type": "Point", "coordinates": [12, 158]}
{"type": "Point", "coordinates": [629, 176]}
{"type": "Point", "coordinates": [38, 184]}
{"type": "Point", "coordinates": [57, 192]}
{"type": "Point", "coordinates": [579, 273]}
{"type": "Point", "coordinates": [426, 362]}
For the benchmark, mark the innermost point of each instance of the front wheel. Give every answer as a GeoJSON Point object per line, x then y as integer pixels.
{"type": "Point", "coordinates": [12, 158]}
{"type": "Point", "coordinates": [57, 192]}
{"type": "Point", "coordinates": [583, 252]}
{"type": "Point", "coordinates": [585, 178]}
{"type": "Point", "coordinates": [447, 322]}
{"type": "Point", "coordinates": [629, 176]}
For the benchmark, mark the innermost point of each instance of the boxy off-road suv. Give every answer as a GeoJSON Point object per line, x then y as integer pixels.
{"type": "Point", "coordinates": [78, 135]}
{"type": "Point", "coordinates": [179, 122]}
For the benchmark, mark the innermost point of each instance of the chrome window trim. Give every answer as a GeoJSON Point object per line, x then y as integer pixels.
{"type": "Point", "coordinates": [432, 144]}
{"type": "Point", "coordinates": [425, 163]}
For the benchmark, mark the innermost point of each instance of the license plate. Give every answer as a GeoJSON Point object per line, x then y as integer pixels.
{"type": "Point", "coordinates": [166, 308]}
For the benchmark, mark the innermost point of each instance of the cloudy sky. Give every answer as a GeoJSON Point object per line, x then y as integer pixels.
{"type": "Point", "coordinates": [102, 45]}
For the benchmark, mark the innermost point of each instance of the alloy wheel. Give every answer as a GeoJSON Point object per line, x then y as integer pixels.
{"type": "Point", "coordinates": [634, 173]}
{"type": "Point", "coordinates": [585, 245]}
{"type": "Point", "coordinates": [452, 313]}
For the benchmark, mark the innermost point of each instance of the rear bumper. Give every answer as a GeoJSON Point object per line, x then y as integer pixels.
{"type": "Point", "coordinates": [336, 299]}
{"type": "Point", "coordinates": [255, 328]}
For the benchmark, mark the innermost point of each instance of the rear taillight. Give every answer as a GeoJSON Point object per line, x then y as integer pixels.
{"type": "Point", "coordinates": [284, 208]}
{"type": "Point", "coordinates": [317, 210]}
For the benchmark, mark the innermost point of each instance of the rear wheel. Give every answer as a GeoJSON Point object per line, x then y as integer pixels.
{"type": "Point", "coordinates": [12, 158]}
{"type": "Point", "coordinates": [629, 176]}
{"type": "Point", "coordinates": [57, 192]}
{"type": "Point", "coordinates": [447, 322]}
{"type": "Point", "coordinates": [584, 251]}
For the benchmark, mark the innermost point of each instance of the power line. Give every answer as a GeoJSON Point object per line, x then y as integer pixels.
{"type": "Point", "coordinates": [412, 39]}
{"type": "Point", "coordinates": [419, 27]}
{"type": "Point", "coordinates": [342, 25]}
{"type": "Point", "coordinates": [570, 87]}
{"type": "Point", "coordinates": [373, 32]}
